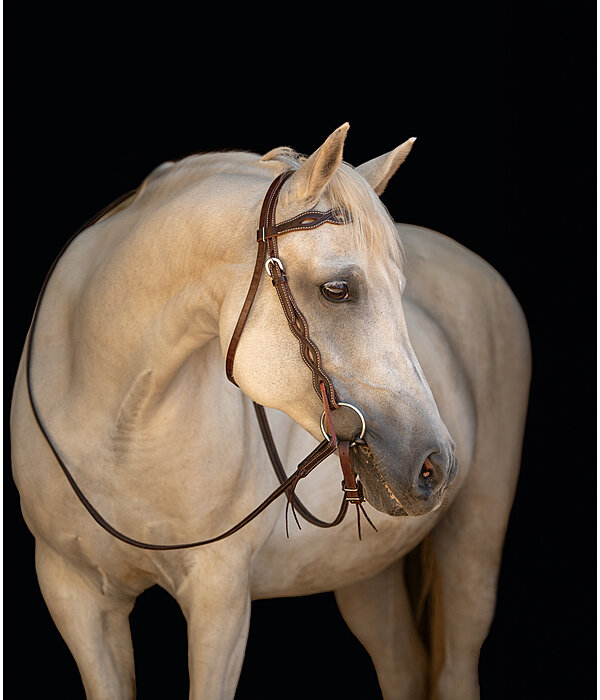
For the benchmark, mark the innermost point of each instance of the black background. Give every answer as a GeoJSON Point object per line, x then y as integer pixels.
{"type": "Point", "coordinates": [502, 99]}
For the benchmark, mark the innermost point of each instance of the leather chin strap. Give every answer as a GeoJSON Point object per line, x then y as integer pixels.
{"type": "Point", "coordinates": [267, 243]}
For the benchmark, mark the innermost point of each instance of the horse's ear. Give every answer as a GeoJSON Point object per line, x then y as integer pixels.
{"type": "Point", "coordinates": [378, 172]}
{"type": "Point", "coordinates": [310, 179]}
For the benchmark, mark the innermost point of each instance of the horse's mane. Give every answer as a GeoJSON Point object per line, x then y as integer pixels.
{"type": "Point", "coordinates": [348, 193]}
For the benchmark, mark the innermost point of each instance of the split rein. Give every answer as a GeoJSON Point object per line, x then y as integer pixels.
{"type": "Point", "coordinates": [267, 258]}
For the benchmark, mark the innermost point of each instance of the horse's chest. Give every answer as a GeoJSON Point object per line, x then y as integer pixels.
{"type": "Point", "coordinates": [314, 561]}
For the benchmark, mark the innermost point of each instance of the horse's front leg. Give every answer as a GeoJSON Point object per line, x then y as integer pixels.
{"type": "Point", "coordinates": [214, 595]}
{"type": "Point", "coordinates": [93, 621]}
{"type": "Point", "coordinates": [467, 546]}
{"type": "Point", "coordinates": [378, 611]}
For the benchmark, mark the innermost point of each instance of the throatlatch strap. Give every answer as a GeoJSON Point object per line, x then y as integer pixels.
{"type": "Point", "coordinates": [269, 203]}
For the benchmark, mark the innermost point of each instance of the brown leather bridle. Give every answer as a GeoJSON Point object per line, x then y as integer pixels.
{"type": "Point", "coordinates": [267, 258]}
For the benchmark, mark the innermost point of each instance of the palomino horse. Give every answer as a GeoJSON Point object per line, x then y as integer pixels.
{"type": "Point", "coordinates": [128, 389]}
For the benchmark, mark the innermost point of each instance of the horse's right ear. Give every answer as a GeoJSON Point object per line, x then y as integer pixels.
{"type": "Point", "coordinates": [378, 172]}
{"type": "Point", "coordinates": [307, 183]}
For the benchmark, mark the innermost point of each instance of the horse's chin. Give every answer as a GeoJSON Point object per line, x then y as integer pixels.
{"type": "Point", "coordinates": [382, 502]}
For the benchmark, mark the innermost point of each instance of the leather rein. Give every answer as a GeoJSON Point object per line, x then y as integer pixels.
{"type": "Point", "coordinates": [267, 258]}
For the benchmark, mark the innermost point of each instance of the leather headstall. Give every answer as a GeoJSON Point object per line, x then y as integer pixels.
{"type": "Point", "coordinates": [267, 257]}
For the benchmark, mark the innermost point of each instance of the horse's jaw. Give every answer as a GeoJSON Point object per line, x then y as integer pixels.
{"type": "Point", "coordinates": [396, 486]}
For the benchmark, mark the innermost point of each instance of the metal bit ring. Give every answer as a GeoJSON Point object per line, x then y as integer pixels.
{"type": "Point", "coordinates": [363, 428]}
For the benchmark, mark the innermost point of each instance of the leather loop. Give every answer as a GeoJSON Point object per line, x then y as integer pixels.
{"type": "Point", "coordinates": [351, 490]}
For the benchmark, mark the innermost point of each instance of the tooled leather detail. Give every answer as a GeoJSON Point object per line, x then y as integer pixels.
{"type": "Point", "coordinates": [302, 222]}
{"type": "Point", "coordinates": [299, 326]}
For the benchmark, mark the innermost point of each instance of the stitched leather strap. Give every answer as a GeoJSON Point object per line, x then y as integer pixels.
{"type": "Point", "coordinates": [302, 222]}
{"type": "Point", "coordinates": [349, 484]}
{"type": "Point", "coordinates": [353, 490]}
{"type": "Point", "coordinates": [268, 231]}
{"type": "Point", "coordinates": [269, 203]}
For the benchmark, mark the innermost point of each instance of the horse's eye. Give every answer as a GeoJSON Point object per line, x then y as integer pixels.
{"type": "Point", "coordinates": [335, 291]}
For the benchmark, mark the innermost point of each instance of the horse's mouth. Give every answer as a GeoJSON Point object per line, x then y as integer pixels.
{"type": "Point", "coordinates": [389, 497]}
{"type": "Point", "coordinates": [397, 506]}
{"type": "Point", "coordinates": [376, 490]}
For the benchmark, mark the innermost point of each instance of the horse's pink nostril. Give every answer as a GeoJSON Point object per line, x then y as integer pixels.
{"type": "Point", "coordinates": [427, 468]}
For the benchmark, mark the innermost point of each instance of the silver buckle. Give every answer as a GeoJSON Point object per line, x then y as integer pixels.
{"type": "Point", "coordinates": [273, 260]}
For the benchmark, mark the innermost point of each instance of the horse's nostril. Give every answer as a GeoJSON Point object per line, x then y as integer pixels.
{"type": "Point", "coordinates": [426, 469]}
{"type": "Point", "coordinates": [431, 477]}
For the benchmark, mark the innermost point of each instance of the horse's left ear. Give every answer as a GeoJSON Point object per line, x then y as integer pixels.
{"type": "Point", "coordinates": [307, 183]}
{"type": "Point", "coordinates": [378, 172]}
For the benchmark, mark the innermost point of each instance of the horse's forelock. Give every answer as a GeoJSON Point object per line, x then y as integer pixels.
{"type": "Point", "coordinates": [372, 225]}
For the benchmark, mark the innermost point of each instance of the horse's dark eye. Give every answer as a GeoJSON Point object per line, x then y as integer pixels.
{"type": "Point", "coordinates": [335, 291]}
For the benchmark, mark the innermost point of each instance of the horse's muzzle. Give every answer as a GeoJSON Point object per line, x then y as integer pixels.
{"type": "Point", "coordinates": [405, 484]}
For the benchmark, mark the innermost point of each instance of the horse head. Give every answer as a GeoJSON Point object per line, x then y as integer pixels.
{"type": "Point", "coordinates": [348, 281]}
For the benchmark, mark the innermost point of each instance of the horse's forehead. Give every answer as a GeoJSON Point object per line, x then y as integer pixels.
{"type": "Point", "coordinates": [335, 248]}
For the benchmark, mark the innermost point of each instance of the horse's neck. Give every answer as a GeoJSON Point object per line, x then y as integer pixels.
{"type": "Point", "coordinates": [137, 299]}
